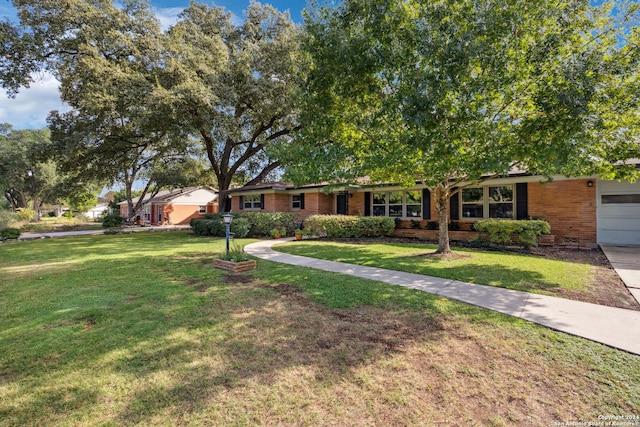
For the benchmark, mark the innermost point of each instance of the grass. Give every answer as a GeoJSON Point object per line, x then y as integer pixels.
{"type": "Point", "coordinates": [140, 329]}
{"type": "Point", "coordinates": [507, 270]}
{"type": "Point", "coordinates": [50, 224]}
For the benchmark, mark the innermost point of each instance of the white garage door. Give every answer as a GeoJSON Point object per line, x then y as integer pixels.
{"type": "Point", "coordinates": [619, 212]}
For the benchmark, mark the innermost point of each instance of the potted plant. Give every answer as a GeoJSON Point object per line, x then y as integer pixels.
{"type": "Point", "coordinates": [300, 233]}
{"type": "Point", "coordinates": [277, 233]}
{"type": "Point", "coordinates": [235, 261]}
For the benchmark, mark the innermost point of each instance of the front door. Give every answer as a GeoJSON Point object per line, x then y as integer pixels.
{"type": "Point", "coordinates": [342, 203]}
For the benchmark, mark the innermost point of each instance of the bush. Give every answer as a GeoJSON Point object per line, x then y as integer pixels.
{"type": "Point", "coordinates": [500, 230]}
{"type": "Point", "coordinates": [9, 233]}
{"type": "Point", "coordinates": [68, 214]}
{"type": "Point", "coordinates": [26, 214]}
{"type": "Point", "coordinates": [349, 226]}
{"type": "Point", "coordinates": [111, 221]}
{"type": "Point", "coordinates": [215, 226]}
{"type": "Point", "coordinates": [240, 227]}
{"type": "Point", "coordinates": [263, 222]}
{"type": "Point", "coordinates": [7, 218]}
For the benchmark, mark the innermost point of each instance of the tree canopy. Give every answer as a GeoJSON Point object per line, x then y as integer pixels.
{"type": "Point", "coordinates": [142, 97]}
{"type": "Point", "coordinates": [452, 92]}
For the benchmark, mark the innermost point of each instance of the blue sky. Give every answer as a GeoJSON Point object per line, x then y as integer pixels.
{"type": "Point", "coordinates": [30, 107]}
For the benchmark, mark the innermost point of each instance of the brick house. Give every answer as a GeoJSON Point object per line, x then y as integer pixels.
{"type": "Point", "coordinates": [581, 211]}
{"type": "Point", "coordinates": [175, 207]}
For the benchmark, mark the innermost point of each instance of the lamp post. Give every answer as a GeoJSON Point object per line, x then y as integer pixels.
{"type": "Point", "coordinates": [227, 225]}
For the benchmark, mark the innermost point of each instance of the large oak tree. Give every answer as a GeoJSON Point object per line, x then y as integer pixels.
{"type": "Point", "coordinates": [450, 93]}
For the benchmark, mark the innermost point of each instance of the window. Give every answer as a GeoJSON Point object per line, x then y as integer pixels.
{"type": "Point", "coordinates": [620, 198]}
{"type": "Point", "coordinates": [147, 213]}
{"type": "Point", "coordinates": [297, 201]}
{"type": "Point", "coordinates": [159, 208]}
{"type": "Point", "coordinates": [487, 202]}
{"type": "Point", "coordinates": [397, 204]}
{"type": "Point", "coordinates": [252, 202]}
{"type": "Point", "coordinates": [202, 209]}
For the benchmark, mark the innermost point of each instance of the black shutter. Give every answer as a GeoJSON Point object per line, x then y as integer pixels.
{"type": "Point", "coordinates": [262, 201]}
{"type": "Point", "coordinates": [426, 204]}
{"type": "Point", "coordinates": [454, 209]}
{"type": "Point", "coordinates": [367, 203]}
{"type": "Point", "coordinates": [241, 204]}
{"type": "Point", "coordinates": [302, 201]}
{"type": "Point", "coordinates": [522, 202]}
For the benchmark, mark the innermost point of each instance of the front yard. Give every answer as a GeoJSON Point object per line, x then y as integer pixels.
{"type": "Point", "coordinates": [140, 329]}
{"type": "Point", "coordinates": [579, 275]}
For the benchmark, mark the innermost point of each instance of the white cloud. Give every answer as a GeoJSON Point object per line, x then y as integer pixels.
{"type": "Point", "coordinates": [30, 107]}
{"type": "Point", "coordinates": [167, 16]}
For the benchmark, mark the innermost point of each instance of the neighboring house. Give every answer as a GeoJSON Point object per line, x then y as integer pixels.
{"type": "Point", "coordinates": [97, 211]}
{"type": "Point", "coordinates": [582, 212]}
{"type": "Point", "coordinates": [175, 207]}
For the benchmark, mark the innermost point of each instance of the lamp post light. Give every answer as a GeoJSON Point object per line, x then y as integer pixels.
{"type": "Point", "coordinates": [227, 225]}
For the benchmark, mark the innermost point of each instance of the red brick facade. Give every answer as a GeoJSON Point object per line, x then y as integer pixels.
{"type": "Point", "coordinates": [568, 205]}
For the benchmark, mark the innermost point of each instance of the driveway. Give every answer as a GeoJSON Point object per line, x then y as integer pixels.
{"type": "Point", "coordinates": [626, 261]}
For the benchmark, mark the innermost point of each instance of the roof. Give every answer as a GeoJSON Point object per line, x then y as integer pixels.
{"type": "Point", "coordinates": [169, 195]}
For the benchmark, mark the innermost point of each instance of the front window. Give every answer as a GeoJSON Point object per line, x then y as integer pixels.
{"type": "Point", "coordinates": [147, 213]}
{"type": "Point", "coordinates": [202, 209]}
{"type": "Point", "coordinates": [488, 202]}
{"type": "Point", "coordinates": [397, 204]}
{"type": "Point", "coordinates": [296, 201]}
{"type": "Point", "coordinates": [252, 202]}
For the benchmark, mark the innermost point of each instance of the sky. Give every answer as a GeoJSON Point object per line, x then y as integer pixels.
{"type": "Point", "coordinates": [30, 107]}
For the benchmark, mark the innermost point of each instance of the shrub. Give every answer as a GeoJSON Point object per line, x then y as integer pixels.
{"type": "Point", "coordinates": [7, 218]}
{"type": "Point", "coordinates": [68, 214]}
{"type": "Point", "coordinates": [26, 214]}
{"type": "Point", "coordinates": [215, 226]}
{"type": "Point", "coordinates": [349, 226]}
{"type": "Point", "coordinates": [500, 230]}
{"type": "Point", "coordinates": [432, 225]}
{"type": "Point", "coordinates": [9, 233]}
{"type": "Point", "coordinates": [240, 227]}
{"type": "Point", "coordinates": [111, 221]}
{"type": "Point", "coordinates": [263, 222]}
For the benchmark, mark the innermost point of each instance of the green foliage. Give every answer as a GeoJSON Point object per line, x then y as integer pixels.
{"type": "Point", "coordinates": [500, 230]}
{"type": "Point", "coordinates": [236, 254]}
{"type": "Point", "coordinates": [349, 226]}
{"type": "Point", "coordinates": [278, 232]}
{"type": "Point", "coordinates": [447, 92]}
{"type": "Point", "coordinates": [263, 222]}
{"type": "Point", "coordinates": [9, 233]}
{"type": "Point", "coordinates": [213, 225]}
{"type": "Point", "coordinates": [112, 221]}
{"type": "Point", "coordinates": [7, 218]}
{"type": "Point", "coordinates": [26, 214]}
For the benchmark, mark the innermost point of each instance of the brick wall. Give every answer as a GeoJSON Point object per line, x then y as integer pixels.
{"type": "Point", "coordinates": [568, 206]}
{"type": "Point", "coordinates": [181, 214]}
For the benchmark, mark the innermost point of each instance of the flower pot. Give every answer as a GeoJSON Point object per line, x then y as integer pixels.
{"type": "Point", "coordinates": [235, 267]}
{"type": "Point", "coordinates": [298, 236]}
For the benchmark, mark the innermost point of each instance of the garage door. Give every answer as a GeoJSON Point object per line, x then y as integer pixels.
{"type": "Point", "coordinates": [619, 212]}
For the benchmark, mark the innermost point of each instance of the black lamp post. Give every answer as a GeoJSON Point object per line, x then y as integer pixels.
{"type": "Point", "coordinates": [227, 225]}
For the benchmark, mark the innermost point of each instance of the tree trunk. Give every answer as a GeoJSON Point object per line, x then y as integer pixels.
{"type": "Point", "coordinates": [442, 195]}
{"type": "Point", "coordinates": [36, 207]}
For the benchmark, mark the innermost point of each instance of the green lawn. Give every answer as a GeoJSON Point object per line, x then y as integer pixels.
{"type": "Point", "coordinates": [140, 329]}
{"type": "Point", "coordinates": [507, 270]}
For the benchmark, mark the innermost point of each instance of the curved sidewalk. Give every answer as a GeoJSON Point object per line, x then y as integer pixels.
{"type": "Point", "coordinates": [615, 327]}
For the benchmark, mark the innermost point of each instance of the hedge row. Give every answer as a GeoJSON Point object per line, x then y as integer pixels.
{"type": "Point", "coordinates": [245, 224]}
{"type": "Point", "coordinates": [348, 226]}
{"type": "Point", "coordinates": [500, 230]}
{"type": "Point", "coordinates": [9, 233]}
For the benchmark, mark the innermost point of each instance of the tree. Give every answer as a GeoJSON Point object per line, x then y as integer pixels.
{"type": "Point", "coordinates": [455, 92]}
{"type": "Point", "coordinates": [231, 86]}
{"type": "Point", "coordinates": [25, 174]}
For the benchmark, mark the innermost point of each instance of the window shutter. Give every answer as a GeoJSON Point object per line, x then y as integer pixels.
{"type": "Point", "coordinates": [262, 201]}
{"type": "Point", "coordinates": [302, 201]}
{"type": "Point", "coordinates": [367, 203]}
{"type": "Point", "coordinates": [426, 204]}
{"type": "Point", "coordinates": [454, 208]}
{"type": "Point", "coordinates": [522, 202]}
{"type": "Point", "coordinates": [241, 204]}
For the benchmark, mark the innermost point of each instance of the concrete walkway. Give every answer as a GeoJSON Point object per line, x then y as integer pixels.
{"type": "Point", "coordinates": [615, 327]}
{"type": "Point", "coordinates": [626, 261]}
